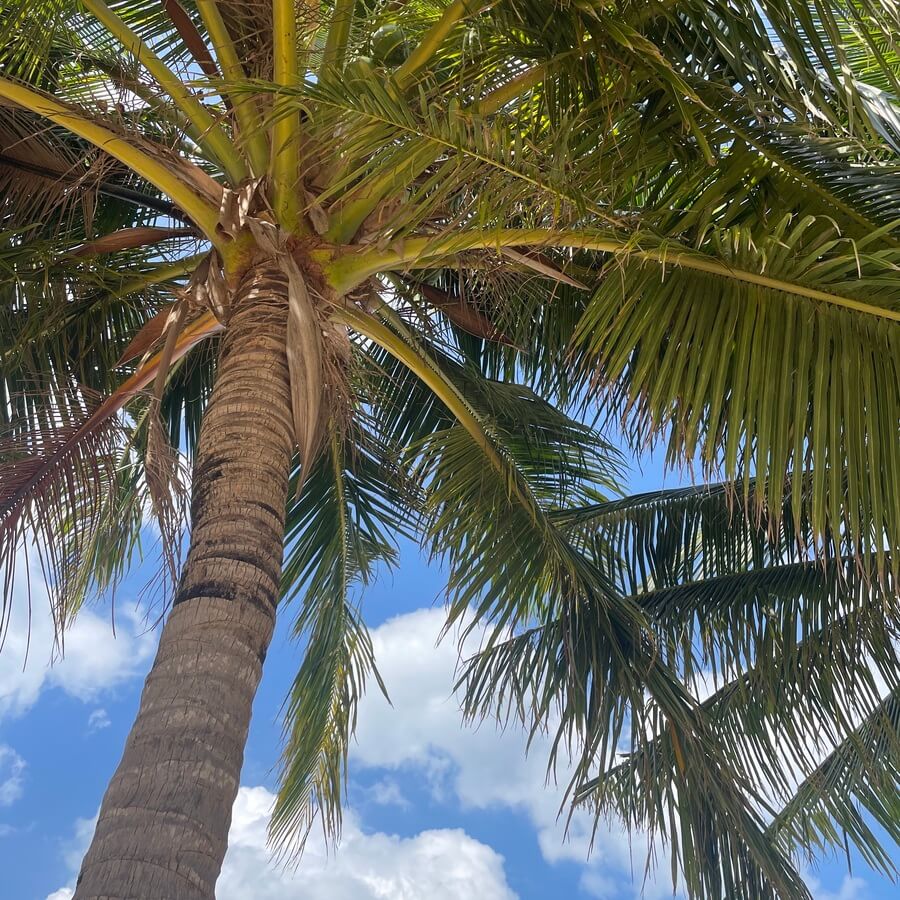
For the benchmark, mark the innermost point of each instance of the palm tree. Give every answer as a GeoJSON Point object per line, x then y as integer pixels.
{"type": "Point", "coordinates": [370, 220]}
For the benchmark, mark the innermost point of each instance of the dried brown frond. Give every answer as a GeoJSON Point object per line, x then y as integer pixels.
{"type": "Point", "coordinates": [54, 481]}
{"type": "Point", "coordinates": [192, 38]}
{"type": "Point", "coordinates": [462, 314]}
{"type": "Point", "coordinates": [73, 473]}
{"type": "Point", "coordinates": [129, 239]}
{"type": "Point", "coordinates": [44, 178]}
{"type": "Point", "coordinates": [147, 337]}
{"type": "Point", "coordinates": [166, 480]}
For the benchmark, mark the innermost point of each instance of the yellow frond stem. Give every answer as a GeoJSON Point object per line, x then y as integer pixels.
{"type": "Point", "coordinates": [251, 133]}
{"type": "Point", "coordinates": [352, 210]}
{"type": "Point", "coordinates": [160, 274]}
{"type": "Point", "coordinates": [211, 136]}
{"type": "Point", "coordinates": [338, 33]}
{"type": "Point", "coordinates": [427, 370]}
{"type": "Point", "coordinates": [515, 87]}
{"type": "Point", "coordinates": [200, 211]}
{"type": "Point", "coordinates": [285, 165]}
{"type": "Point", "coordinates": [432, 41]}
{"type": "Point", "coordinates": [353, 268]}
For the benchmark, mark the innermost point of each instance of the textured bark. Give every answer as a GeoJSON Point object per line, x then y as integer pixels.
{"type": "Point", "coordinates": [163, 826]}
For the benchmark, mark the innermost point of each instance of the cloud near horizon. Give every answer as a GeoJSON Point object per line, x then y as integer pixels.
{"type": "Point", "coordinates": [421, 735]}
{"type": "Point", "coordinates": [441, 864]}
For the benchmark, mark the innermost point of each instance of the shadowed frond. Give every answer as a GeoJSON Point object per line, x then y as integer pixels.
{"type": "Point", "coordinates": [341, 529]}
{"type": "Point", "coordinates": [861, 776]}
{"type": "Point", "coordinates": [53, 487]}
{"type": "Point", "coordinates": [661, 538]}
{"type": "Point", "coordinates": [757, 380]}
{"type": "Point", "coordinates": [791, 653]}
{"type": "Point", "coordinates": [509, 566]}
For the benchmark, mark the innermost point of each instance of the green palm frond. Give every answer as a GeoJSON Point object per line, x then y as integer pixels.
{"type": "Point", "coordinates": [768, 165]}
{"type": "Point", "coordinates": [341, 529]}
{"type": "Point", "coordinates": [509, 566]}
{"type": "Point", "coordinates": [698, 368]}
{"type": "Point", "coordinates": [800, 52]}
{"type": "Point", "coordinates": [792, 652]}
{"type": "Point", "coordinates": [859, 778]}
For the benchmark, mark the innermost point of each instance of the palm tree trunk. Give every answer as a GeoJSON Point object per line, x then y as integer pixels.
{"type": "Point", "coordinates": [163, 825]}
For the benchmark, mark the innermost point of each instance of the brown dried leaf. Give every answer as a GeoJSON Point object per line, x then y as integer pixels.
{"type": "Point", "coordinates": [316, 213]}
{"type": "Point", "coordinates": [462, 314]}
{"type": "Point", "coordinates": [150, 333]}
{"type": "Point", "coordinates": [129, 238]}
{"type": "Point", "coordinates": [192, 38]}
{"type": "Point", "coordinates": [543, 266]}
{"type": "Point", "coordinates": [42, 179]}
{"type": "Point", "coordinates": [304, 355]}
{"type": "Point", "coordinates": [53, 482]}
{"type": "Point", "coordinates": [166, 487]}
{"type": "Point", "coordinates": [166, 490]}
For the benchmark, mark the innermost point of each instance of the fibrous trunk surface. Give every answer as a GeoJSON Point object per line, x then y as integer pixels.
{"type": "Point", "coordinates": [163, 825]}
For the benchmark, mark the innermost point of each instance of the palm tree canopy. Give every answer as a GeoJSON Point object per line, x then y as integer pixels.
{"type": "Point", "coordinates": [680, 215]}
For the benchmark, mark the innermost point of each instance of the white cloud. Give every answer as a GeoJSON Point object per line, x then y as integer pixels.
{"type": "Point", "coordinates": [98, 720]}
{"type": "Point", "coordinates": [94, 660]}
{"type": "Point", "coordinates": [599, 885]}
{"type": "Point", "coordinates": [73, 852]}
{"type": "Point", "coordinates": [386, 792]}
{"type": "Point", "coordinates": [851, 888]}
{"type": "Point", "coordinates": [476, 768]}
{"type": "Point", "coordinates": [12, 775]}
{"type": "Point", "coordinates": [441, 865]}
{"type": "Point", "coordinates": [482, 768]}
{"type": "Point", "coordinates": [77, 845]}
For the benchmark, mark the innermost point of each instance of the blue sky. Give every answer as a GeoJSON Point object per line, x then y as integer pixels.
{"type": "Point", "coordinates": [436, 811]}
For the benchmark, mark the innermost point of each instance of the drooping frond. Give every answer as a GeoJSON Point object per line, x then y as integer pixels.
{"type": "Point", "coordinates": [782, 715]}
{"type": "Point", "coordinates": [860, 778]}
{"type": "Point", "coordinates": [790, 654]}
{"type": "Point", "coordinates": [341, 528]}
{"type": "Point", "coordinates": [757, 380]}
{"type": "Point", "coordinates": [54, 486]}
{"type": "Point", "coordinates": [510, 566]}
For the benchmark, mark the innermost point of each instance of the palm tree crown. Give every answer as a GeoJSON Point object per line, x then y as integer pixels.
{"type": "Point", "coordinates": [485, 218]}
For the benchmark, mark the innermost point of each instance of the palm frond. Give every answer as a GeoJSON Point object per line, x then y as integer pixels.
{"type": "Point", "coordinates": [509, 567]}
{"type": "Point", "coordinates": [65, 474]}
{"type": "Point", "coordinates": [54, 485]}
{"type": "Point", "coordinates": [704, 361]}
{"type": "Point", "coordinates": [862, 193]}
{"type": "Point", "coordinates": [341, 528]}
{"type": "Point", "coordinates": [664, 538]}
{"type": "Point", "coordinates": [860, 778]}
{"type": "Point", "coordinates": [792, 653]}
